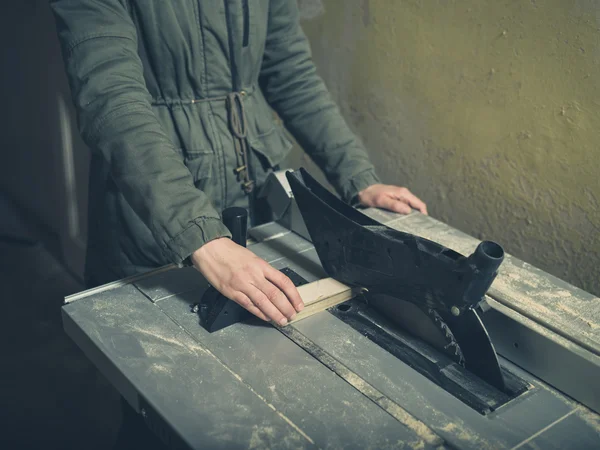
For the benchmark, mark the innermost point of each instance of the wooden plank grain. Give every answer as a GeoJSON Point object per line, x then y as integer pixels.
{"type": "Point", "coordinates": [322, 294]}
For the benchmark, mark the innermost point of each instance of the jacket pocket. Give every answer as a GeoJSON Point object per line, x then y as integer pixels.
{"type": "Point", "coordinates": [272, 148]}
{"type": "Point", "coordinates": [246, 23]}
{"type": "Point", "coordinates": [188, 128]}
{"type": "Point", "coordinates": [201, 166]}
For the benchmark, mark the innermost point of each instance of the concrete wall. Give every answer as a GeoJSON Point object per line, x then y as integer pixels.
{"type": "Point", "coordinates": [44, 163]}
{"type": "Point", "coordinates": [489, 110]}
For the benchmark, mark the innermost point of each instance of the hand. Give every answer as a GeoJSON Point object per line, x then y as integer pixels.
{"type": "Point", "coordinates": [248, 280]}
{"type": "Point", "coordinates": [394, 198]}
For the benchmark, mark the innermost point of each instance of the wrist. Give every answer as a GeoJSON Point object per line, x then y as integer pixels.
{"type": "Point", "coordinates": [361, 197]}
{"type": "Point", "coordinates": [358, 183]}
{"type": "Point", "coordinates": [203, 252]}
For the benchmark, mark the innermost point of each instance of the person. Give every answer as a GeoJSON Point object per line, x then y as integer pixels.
{"type": "Point", "coordinates": [176, 101]}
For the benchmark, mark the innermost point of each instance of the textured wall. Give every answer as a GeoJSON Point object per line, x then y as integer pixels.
{"type": "Point", "coordinates": [489, 110]}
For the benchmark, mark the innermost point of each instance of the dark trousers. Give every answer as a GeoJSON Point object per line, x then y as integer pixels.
{"type": "Point", "coordinates": [134, 433]}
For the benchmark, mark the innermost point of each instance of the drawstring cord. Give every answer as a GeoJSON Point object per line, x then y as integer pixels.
{"type": "Point", "coordinates": [238, 125]}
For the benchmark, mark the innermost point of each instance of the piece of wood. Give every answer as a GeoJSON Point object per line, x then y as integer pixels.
{"type": "Point", "coordinates": [322, 294]}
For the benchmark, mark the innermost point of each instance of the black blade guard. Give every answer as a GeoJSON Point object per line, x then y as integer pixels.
{"type": "Point", "coordinates": [359, 251]}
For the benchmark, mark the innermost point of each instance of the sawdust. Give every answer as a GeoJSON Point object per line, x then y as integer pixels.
{"type": "Point", "coordinates": [357, 381]}
{"type": "Point", "coordinates": [163, 344]}
{"type": "Point", "coordinates": [411, 422]}
{"type": "Point", "coordinates": [589, 417]}
{"type": "Point", "coordinates": [361, 384]}
{"type": "Point", "coordinates": [157, 333]}
{"type": "Point", "coordinates": [460, 433]}
{"type": "Point", "coordinates": [539, 299]}
{"type": "Point", "coordinates": [574, 314]}
{"type": "Point", "coordinates": [463, 433]}
{"type": "Point", "coordinates": [422, 430]}
{"type": "Point", "coordinates": [560, 294]}
{"type": "Point", "coordinates": [158, 342]}
{"type": "Point", "coordinates": [263, 399]}
{"type": "Point", "coordinates": [418, 445]}
{"type": "Point", "coordinates": [525, 278]}
{"type": "Point", "coordinates": [566, 309]}
{"type": "Point", "coordinates": [99, 305]}
{"type": "Point", "coordinates": [503, 287]}
{"type": "Point", "coordinates": [262, 437]}
{"type": "Point", "coordinates": [155, 367]}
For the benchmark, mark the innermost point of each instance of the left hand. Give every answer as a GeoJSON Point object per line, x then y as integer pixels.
{"type": "Point", "coordinates": [395, 198]}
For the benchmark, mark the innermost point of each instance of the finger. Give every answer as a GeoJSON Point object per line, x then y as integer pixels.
{"type": "Point", "coordinates": [393, 204]}
{"type": "Point", "coordinates": [262, 302]}
{"type": "Point", "coordinates": [411, 199]}
{"type": "Point", "coordinates": [277, 298]}
{"type": "Point", "coordinates": [242, 299]}
{"type": "Point", "coordinates": [416, 203]}
{"type": "Point", "coordinates": [287, 287]}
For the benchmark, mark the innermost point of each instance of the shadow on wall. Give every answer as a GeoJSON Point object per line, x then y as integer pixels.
{"type": "Point", "coordinates": [44, 169]}
{"type": "Point", "coordinates": [488, 110]}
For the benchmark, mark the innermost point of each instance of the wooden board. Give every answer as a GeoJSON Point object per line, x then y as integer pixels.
{"type": "Point", "coordinates": [322, 294]}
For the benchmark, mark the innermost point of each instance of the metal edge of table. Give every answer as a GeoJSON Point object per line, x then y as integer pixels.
{"type": "Point", "coordinates": [141, 351]}
{"type": "Point", "coordinates": [529, 345]}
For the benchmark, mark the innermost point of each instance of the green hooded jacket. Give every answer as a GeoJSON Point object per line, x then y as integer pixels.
{"type": "Point", "coordinates": [169, 94]}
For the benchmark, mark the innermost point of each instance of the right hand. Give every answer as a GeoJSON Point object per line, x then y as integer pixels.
{"type": "Point", "coordinates": [248, 280]}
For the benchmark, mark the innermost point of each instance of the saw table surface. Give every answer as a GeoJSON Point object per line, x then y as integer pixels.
{"type": "Point", "coordinates": [250, 386]}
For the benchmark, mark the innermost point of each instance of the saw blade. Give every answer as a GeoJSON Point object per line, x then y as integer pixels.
{"type": "Point", "coordinates": [421, 322]}
{"type": "Point", "coordinates": [480, 355]}
{"type": "Point", "coordinates": [464, 338]}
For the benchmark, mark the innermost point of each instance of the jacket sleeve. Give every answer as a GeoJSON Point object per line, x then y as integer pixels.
{"type": "Point", "coordinates": [295, 91]}
{"type": "Point", "coordinates": [115, 117]}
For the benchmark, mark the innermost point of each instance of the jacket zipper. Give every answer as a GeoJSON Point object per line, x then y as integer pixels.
{"type": "Point", "coordinates": [246, 15]}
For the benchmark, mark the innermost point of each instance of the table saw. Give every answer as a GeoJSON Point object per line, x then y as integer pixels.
{"type": "Point", "coordinates": [516, 368]}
